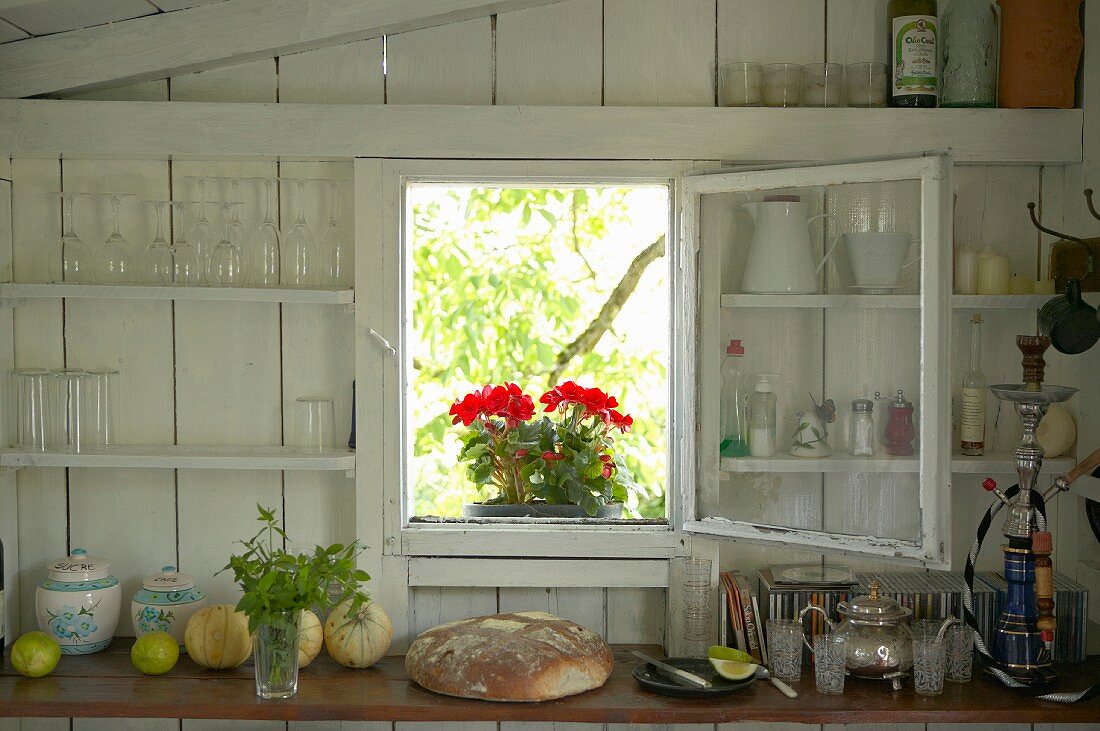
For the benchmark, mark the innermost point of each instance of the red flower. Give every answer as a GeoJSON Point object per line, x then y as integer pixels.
{"type": "Point", "coordinates": [607, 471]}
{"type": "Point", "coordinates": [552, 456]}
{"type": "Point", "coordinates": [466, 410]}
{"type": "Point", "coordinates": [508, 401]}
{"type": "Point", "coordinates": [620, 421]}
{"type": "Point", "coordinates": [566, 393]}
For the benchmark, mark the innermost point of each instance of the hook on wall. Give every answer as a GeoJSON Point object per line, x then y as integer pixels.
{"type": "Point", "coordinates": [1088, 199]}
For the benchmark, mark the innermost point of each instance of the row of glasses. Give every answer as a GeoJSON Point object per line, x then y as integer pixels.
{"type": "Point", "coordinates": [66, 410]}
{"type": "Point", "coordinates": [751, 84]}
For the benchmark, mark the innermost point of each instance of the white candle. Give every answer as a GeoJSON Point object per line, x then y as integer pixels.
{"type": "Point", "coordinates": [742, 84]}
{"type": "Point", "coordinates": [966, 270]}
{"type": "Point", "coordinates": [782, 84]}
{"type": "Point", "coordinates": [993, 273]}
{"type": "Point", "coordinates": [1020, 285]}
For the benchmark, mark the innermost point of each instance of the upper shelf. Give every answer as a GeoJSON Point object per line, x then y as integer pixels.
{"type": "Point", "coordinates": [156, 292]}
{"type": "Point", "coordinates": [894, 301]}
{"type": "Point", "coordinates": [185, 457]}
{"type": "Point", "coordinates": [991, 464]}
{"type": "Point", "coordinates": [1010, 301]}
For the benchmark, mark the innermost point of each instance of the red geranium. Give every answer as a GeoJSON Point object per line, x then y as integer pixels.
{"type": "Point", "coordinates": [507, 401]}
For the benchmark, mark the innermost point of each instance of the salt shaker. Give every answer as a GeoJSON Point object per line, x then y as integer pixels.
{"type": "Point", "coordinates": [861, 428]}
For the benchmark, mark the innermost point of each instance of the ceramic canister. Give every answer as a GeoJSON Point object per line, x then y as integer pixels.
{"type": "Point", "coordinates": [78, 603]}
{"type": "Point", "coordinates": [165, 602]}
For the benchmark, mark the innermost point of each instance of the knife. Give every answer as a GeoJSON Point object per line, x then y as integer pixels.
{"type": "Point", "coordinates": [677, 674]}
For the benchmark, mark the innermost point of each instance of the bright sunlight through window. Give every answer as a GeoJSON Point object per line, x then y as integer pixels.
{"type": "Point", "coordinates": [538, 287]}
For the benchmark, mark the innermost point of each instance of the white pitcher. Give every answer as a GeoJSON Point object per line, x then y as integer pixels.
{"type": "Point", "coordinates": [780, 259]}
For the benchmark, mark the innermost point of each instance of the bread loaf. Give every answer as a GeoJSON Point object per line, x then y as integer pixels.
{"type": "Point", "coordinates": [522, 656]}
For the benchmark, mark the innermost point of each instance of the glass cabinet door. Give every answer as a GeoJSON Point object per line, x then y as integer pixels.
{"type": "Point", "coordinates": [823, 291]}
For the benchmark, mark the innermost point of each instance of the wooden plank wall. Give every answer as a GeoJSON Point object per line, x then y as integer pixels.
{"type": "Point", "coordinates": [183, 363]}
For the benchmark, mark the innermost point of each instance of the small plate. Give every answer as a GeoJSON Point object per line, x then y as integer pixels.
{"type": "Point", "coordinates": [654, 680]}
{"type": "Point", "coordinates": [875, 288]}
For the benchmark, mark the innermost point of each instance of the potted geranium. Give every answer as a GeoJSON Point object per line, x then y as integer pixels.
{"type": "Point", "coordinates": [565, 466]}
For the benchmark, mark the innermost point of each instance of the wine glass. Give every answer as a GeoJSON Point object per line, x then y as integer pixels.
{"type": "Point", "coordinates": [223, 266]}
{"type": "Point", "coordinates": [71, 259]}
{"type": "Point", "coordinates": [236, 228]}
{"type": "Point", "coordinates": [157, 263]}
{"type": "Point", "coordinates": [201, 235]}
{"type": "Point", "coordinates": [263, 257]}
{"type": "Point", "coordinates": [335, 247]}
{"type": "Point", "coordinates": [114, 260]}
{"type": "Point", "coordinates": [186, 265]}
{"type": "Point", "coordinates": [299, 251]}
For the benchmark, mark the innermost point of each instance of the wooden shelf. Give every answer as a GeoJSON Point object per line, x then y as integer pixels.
{"type": "Point", "coordinates": [155, 292]}
{"type": "Point", "coordinates": [992, 464]}
{"type": "Point", "coordinates": [185, 457]}
{"type": "Point", "coordinates": [855, 301]}
{"type": "Point", "coordinates": [106, 685]}
{"type": "Point", "coordinates": [1010, 301]}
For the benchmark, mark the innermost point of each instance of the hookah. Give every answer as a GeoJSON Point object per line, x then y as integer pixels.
{"type": "Point", "coordinates": [1019, 652]}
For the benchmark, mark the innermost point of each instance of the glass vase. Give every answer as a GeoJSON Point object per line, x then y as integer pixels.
{"type": "Point", "coordinates": [275, 654]}
{"type": "Point", "coordinates": [970, 45]}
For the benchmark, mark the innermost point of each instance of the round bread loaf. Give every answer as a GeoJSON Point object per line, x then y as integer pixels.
{"type": "Point", "coordinates": [522, 656]}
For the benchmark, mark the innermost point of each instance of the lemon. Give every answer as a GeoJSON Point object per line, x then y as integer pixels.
{"type": "Point", "coordinates": [721, 652]}
{"type": "Point", "coordinates": [35, 654]}
{"type": "Point", "coordinates": [734, 670]}
{"type": "Point", "coordinates": [155, 653]}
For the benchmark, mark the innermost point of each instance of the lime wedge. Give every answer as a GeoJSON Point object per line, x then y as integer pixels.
{"type": "Point", "coordinates": [734, 670]}
{"type": "Point", "coordinates": [721, 652]}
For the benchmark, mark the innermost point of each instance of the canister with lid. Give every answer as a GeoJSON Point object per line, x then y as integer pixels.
{"type": "Point", "coordinates": [165, 602]}
{"type": "Point", "coordinates": [78, 603]}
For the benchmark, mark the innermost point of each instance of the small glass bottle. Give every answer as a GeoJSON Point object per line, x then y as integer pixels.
{"type": "Point", "coordinates": [973, 395]}
{"type": "Point", "coordinates": [970, 40]}
{"type": "Point", "coordinates": [762, 417]}
{"type": "Point", "coordinates": [731, 409]}
{"type": "Point", "coordinates": [861, 428]}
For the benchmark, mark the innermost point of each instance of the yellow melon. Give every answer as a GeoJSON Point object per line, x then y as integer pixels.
{"type": "Point", "coordinates": [358, 639]}
{"type": "Point", "coordinates": [310, 637]}
{"type": "Point", "coordinates": [217, 637]}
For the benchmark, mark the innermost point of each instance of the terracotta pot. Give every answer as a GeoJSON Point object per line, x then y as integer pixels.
{"type": "Point", "coordinates": [1041, 46]}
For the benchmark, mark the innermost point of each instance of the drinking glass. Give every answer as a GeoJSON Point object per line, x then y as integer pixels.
{"type": "Point", "coordinates": [223, 266]}
{"type": "Point", "coordinates": [314, 425]}
{"type": "Point", "coordinates": [299, 258]}
{"type": "Point", "coordinates": [67, 410]}
{"type": "Point", "coordinates": [114, 261]}
{"type": "Point", "coordinates": [335, 247]}
{"type": "Point", "coordinates": [201, 235]}
{"type": "Point", "coordinates": [782, 84]}
{"type": "Point", "coordinates": [236, 228]}
{"type": "Point", "coordinates": [186, 264]}
{"type": "Point", "coordinates": [925, 627]}
{"type": "Point", "coordinates": [263, 256]}
{"type": "Point", "coordinates": [866, 84]}
{"type": "Point", "coordinates": [71, 259]}
{"type": "Point", "coordinates": [741, 84]}
{"type": "Point", "coordinates": [157, 263]}
{"type": "Point", "coordinates": [929, 660]}
{"type": "Point", "coordinates": [31, 408]}
{"type": "Point", "coordinates": [823, 85]}
{"type": "Point", "coordinates": [960, 653]}
{"type": "Point", "coordinates": [697, 612]}
{"type": "Point", "coordinates": [830, 653]}
{"type": "Point", "coordinates": [785, 648]}
{"type": "Point", "coordinates": [100, 409]}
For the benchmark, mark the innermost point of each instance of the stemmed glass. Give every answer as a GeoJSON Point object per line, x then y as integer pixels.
{"type": "Point", "coordinates": [113, 263]}
{"type": "Point", "coordinates": [71, 259]}
{"type": "Point", "coordinates": [263, 258]}
{"type": "Point", "coordinates": [202, 234]}
{"type": "Point", "coordinates": [299, 252]}
{"type": "Point", "coordinates": [223, 266]}
{"type": "Point", "coordinates": [236, 229]}
{"type": "Point", "coordinates": [157, 262]}
{"type": "Point", "coordinates": [335, 246]}
{"type": "Point", "coordinates": [186, 265]}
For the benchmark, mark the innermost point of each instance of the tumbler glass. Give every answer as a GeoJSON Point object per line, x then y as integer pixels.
{"type": "Point", "coordinates": [960, 653]}
{"type": "Point", "coordinates": [782, 84]}
{"type": "Point", "coordinates": [785, 648]}
{"type": "Point", "coordinates": [30, 404]}
{"type": "Point", "coordinates": [67, 410]}
{"type": "Point", "coordinates": [314, 425]}
{"type": "Point", "coordinates": [830, 654]}
{"type": "Point", "coordinates": [929, 659]}
{"type": "Point", "coordinates": [823, 85]}
{"type": "Point", "coordinates": [697, 613]}
{"type": "Point", "coordinates": [925, 627]}
{"type": "Point", "coordinates": [741, 84]}
{"type": "Point", "coordinates": [866, 84]}
{"type": "Point", "coordinates": [100, 409]}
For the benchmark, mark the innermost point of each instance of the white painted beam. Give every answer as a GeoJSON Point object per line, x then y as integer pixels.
{"type": "Point", "coordinates": [230, 32]}
{"type": "Point", "coordinates": [529, 572]}
{"type": "Point", "coordinates": [43, 127]}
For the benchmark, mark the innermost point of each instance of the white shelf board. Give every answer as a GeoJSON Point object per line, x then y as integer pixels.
{"type": "Point", "coordinates": [1010, 301]}
{"type": "Point", "coordinates": [991, 464]}
{"type": "Point", "coordinates": [157, 292]}
{"type": "Point", "coordinates": [859, 301]}
{"type": "Point", "coordinates": [185, 457]}
{"type": "Point", "coordinates": [1002, 463]}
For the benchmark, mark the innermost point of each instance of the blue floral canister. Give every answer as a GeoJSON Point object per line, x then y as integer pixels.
{"type": "Point", "coordinates": [166, 602]}
{"type": "Point", "coordinates": [78, 603]}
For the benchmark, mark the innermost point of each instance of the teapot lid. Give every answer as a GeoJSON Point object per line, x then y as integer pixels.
{"type": "Point", "coordinates": [874, 607]}
{"type": "Point", "coordinates": [79, 566]}
{"type": "Point", "coordinates": [168, 580]}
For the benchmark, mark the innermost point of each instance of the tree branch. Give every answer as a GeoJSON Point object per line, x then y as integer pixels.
{"type": "Point", "coordinates": [588, 339]}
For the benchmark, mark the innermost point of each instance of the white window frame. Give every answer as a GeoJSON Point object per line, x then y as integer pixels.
{"type": "Point", "coordinates": [384, 182]}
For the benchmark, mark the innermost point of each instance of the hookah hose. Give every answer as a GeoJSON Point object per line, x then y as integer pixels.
{"type": "Point", "coordinates": [968, 600]}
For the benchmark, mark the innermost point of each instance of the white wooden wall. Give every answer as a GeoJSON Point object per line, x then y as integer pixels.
{"type": "Point", "coordinates": [201, 372]}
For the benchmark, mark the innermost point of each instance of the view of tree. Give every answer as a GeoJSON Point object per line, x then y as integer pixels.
{"type": "Point", "coordinates": [537, 286]}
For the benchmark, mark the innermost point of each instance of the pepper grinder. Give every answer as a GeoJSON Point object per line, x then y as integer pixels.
{"type": "Point", "coordinates": [900, 431]}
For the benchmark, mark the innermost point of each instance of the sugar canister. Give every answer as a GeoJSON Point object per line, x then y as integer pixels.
{"type": "Point", "coordinates": [78, 603]}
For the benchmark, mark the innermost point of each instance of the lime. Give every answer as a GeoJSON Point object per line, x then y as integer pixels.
{"type": "Point", "coordinates": [734, 670]}
{"type": "Point", "coordinates": [155, 653]}
{"type": "Point", "coordinates": [721, 652]}
{"type": "Point", "coordinates": [35, 654]}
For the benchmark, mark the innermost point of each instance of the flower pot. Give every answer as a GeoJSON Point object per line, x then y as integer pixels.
{"type": "Point", "coordinates": [275, 654]}
{"type": "Point", "coordinates": [1040, 50]}
{"type": "Point", "coordinates": [538, 510]}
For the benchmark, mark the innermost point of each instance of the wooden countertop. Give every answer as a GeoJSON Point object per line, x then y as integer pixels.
{"type": "Point", "coordinates": [107, 685]}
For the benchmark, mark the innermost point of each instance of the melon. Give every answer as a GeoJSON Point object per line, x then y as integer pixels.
{"type": "Point", "coordinates": [310, 637]}
{"type": "Point", "coordinates": [1056, 432]}
{"type": "Point", "coordinates": [217, 637]}
{"type": "Point", "coordinates": [358, 639]}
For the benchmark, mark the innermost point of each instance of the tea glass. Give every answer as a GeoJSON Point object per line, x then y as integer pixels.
{"type": "Point", "coordinates": [31, 387]}
{"type": "Point", "coordinates": [830, 654]}
{"type": "Point", "coordinates": [785, 648]}
{"type": "Point", "coordinates": [314, 425]}
{"type": "Point", "coordinates": [960, 653]}
{"type": "Point", "coordinates": [741, 84]}
{"type": "Point", "coordinates": [100, 408]}
{"type": "Point", "coordinates": [782, 84]}
{"type": "Point", "coordinates": [697, 614]}
{"type": "Point", "coordinates": [823, 85]}
{"type": "Point", "coordinates": [866, 84]}
{"type": "Point", "coordinates": [67, 401]}
{"type": "Point", "coordinates": [929, 661]}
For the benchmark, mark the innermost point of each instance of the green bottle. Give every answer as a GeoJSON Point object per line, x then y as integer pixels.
{"type": "Point", "coordinates": [914, 59]}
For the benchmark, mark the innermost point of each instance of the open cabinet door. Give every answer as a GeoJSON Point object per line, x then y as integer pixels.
{"type": "Point", "coordinates": [865, 325]}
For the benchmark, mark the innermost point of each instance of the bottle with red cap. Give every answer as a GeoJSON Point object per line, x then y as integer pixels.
{"type": "Point", "coordinates": [731, 407]}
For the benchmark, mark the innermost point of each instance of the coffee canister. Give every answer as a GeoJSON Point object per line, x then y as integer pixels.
{"type": "Point", "coordinates": [165, 602]}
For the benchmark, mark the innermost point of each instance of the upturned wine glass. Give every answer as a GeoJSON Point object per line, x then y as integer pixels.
{"type": "Point", "coordinates": [236, 228]}
{"type": "Point", "coordinates": [157, 262]}
{"type": "Point", "coordinates": [186, 265]}
{"type": "Point", "coordinates": [265, 246]}
{"type": "Point", "coordinates": [114, 260]}
{"type": "Point", "coordinates": [223, 265]}
{"type": "Point", "coordinates": [71, 259]}
{"type": "Point", "coordinates": [335, 246]}
{"type": "Point", "coordinates": [201, 235]}
{"type": "Point", "coordinates": [299, 250]}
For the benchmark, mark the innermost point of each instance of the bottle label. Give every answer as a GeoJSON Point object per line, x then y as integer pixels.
{"type": "Point", "coordinates": [914, 58]}
{"type": "Point", "coordinates": [973, 415]}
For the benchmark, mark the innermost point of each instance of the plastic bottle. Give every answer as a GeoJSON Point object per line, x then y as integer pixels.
{"type": "Point", "coordinates": [762, 416]}
{"type": "Point", "coordinates": [731, 409]}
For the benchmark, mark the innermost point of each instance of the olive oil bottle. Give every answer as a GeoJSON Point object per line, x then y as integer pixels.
{"type": "Point", "coordinates": [913, 31]}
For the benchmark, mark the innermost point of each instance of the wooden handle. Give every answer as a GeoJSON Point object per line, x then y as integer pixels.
{"type": "Point", "coordinates": [1084, 467]}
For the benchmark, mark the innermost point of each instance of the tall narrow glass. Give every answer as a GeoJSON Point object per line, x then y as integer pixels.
{"type": "Point", "coordinates": [223, 266]}
{"type": "Point", "coordinates": [114, 261]}
{"type": "Point", "coordinates": [335, 246]}
{"type": "Point", "coordinates": [100, 409]}
{"type": "Point", "coordinates": [299, 251]}
{"type": "Point", "coordinates": [67, 410]}
{"type": "Point", "coordinates": [264, 249]}
{"type": "Point", "coordinates": [186, 264]}
{"type": "Point", "coordinates": [202, 233]}
{"type": "Point", "coordinates": [31, 408]}
{"type": "Point", "coordinates": [71, 259]}
{"type": "Point", "coordinates": [157, 262]}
